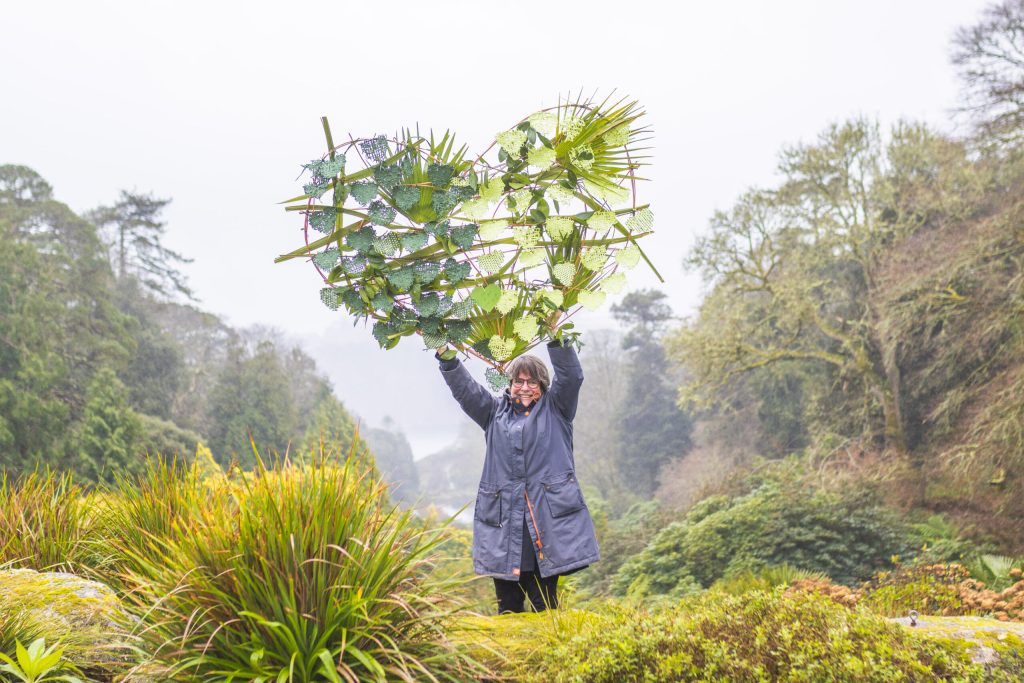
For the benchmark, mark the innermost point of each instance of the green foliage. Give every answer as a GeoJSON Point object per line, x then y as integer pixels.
{"type": "Point", "coordinates": [759, 636]}
{"type": "Point", "coordinates": [44, 521]}
{"type": "Point", "coordinates": [797, 271]}
{"type": "Point", "coordinates": [928, 589]}
{"type": "Point", "coordinates": [109, 438]}
{"type": "Point", "coordinates": [848, 538]}
{"type": "Point", "coordinates": [338, 591]}
{"type": "Point", "coordinates": [558, 191]}
{"type": "Point", "coordinates": [38, 663]}
{"type": "Point", "coordinates": [653, 429]}
{"type": "Point", "coordinates": [764, 579]}
{"type": "Point", "coordinates": [995, 570]}
{"type": "Point", "coordinates": [251, 403]}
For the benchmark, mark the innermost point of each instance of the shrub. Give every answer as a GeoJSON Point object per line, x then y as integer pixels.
{"type": "Point", "coordinates": [44, 521]}
{"type": "Point", "coordinates": [764, 579]}
{"type": "Point", "coordinates": [292, 574]}
{"type": "Point", "coordinates": [928, 589]}
{"type": "Point", "coordinates": [846, 538]}
{"type": "Point", "coordinates": [760, 636]}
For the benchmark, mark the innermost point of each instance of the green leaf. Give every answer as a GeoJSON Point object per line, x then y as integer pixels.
{"type": "Point", "coordinates": [428, 305]}
{"type": "Point", "coordinates": [501, 348]}
{"type": "Point", "coordinates": [354, 265]}
{"type": "Point", "coordinates": [444, 202]}
{"type": "Point", "coordinates": [463, 235]}
{"type": "Point", "coordinates": [414, 241]}
{"type": "Point", "coordinates": [352, 301]}
{"type": "Point", "coordinates": [462, 309]}
{"type": "Point", "coordinates": [439, 174]}
{"type": "Point", "coordinates": [361, 240]}
{"type": "Point", "coordinates": [643, 221]}
{"type": "Point", "coordinates": [364, 193]}
{"type": "Point", "coordinates": [323, 221]}
{"type": "Point", "coordinates": [387, 244]}
{"type": "Point", "coordinates": [388, 177]}
{"type": "Point", "coordinates": [614, 283]}
{"type": "Point", "coordinates": [327, 259]}
{"type": "Point", "coordinates": [331, 297]}
{"type": "Point", "coordinates": [436, 228]}
{"type": "Point", "coordinates": [491, 262]}
{"type": "Point", "coordinates": [486, 297]}
{"type": "Point", "coordinates": [560, 227]}
{"type": "Point", "coordinates": [591, 300]}
{"type": "Point", "coordinates": [496, 380]}
{"type": "Point", "coordinates": [406, 197]}
{"type": "Point", "coordinates": [455, 272]}
{"type": "Point", "coordinates": [401, 278]}
{"type": "Point", "coordinates": [376, 149]}
{"type": "Point", "coordinates": [531, 257]}
{"type": "Point", "coordinates": [316, 189]}
{"type": "Point", "coordinates": [426, 271]}
{"type": "Point", "coordinates": [564, 272]}
{"type": "Point", "coordinates": [382, 301]}
{"type": "Point", "coordinates": [380, 213]}
{"type": "Point", "coordinates": [507, 301]}
{"type": "Point", "coordinates": [434, 340]}
{"type": "Point", "coordinates": [327, 168]}
{"type": "Point", "coordinates": [458, 330]}
{"type": "Point", "coordinates": [628, 256]}
{"type": "Point", "coordinates": [526, 328]}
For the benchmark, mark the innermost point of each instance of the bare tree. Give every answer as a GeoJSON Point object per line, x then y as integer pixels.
{"type": "Point", "coordinates": [990, 60]}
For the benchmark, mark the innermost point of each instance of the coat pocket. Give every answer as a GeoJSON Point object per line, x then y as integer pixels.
{"type": "Point", "coordinates": [563, 495]}
{"type": "Point", "coordinates": [488, 505]}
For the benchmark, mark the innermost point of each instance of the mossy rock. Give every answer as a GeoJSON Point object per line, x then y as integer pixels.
{"type": "Point", "coordinates": [84, 615]}
{"type": "Point", "coordinates": [988, 641]}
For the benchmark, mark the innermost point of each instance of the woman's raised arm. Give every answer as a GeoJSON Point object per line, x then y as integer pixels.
{"type": "Point", "coordinates": [475, 400]}
{"type": "Point", "coordinates": [565, 387]}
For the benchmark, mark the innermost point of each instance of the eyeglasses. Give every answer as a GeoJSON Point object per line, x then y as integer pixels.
{"type": "Point", "coordinates": [532, 383]}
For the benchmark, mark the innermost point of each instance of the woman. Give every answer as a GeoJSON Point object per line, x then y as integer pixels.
{"type": "Point", "coordinates": [530, 523]}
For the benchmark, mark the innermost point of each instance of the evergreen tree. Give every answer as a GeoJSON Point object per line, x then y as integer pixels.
{"type": "Point", "coordinates": [109, 437]}
{"type": "Point", "coordinates": [252, 399]}
{"type": "Point", "coordinates": [652, 428]}
{"type": "Point", "coordinates": [133, 232]}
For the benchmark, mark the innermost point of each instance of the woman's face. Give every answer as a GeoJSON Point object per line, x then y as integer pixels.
{"type": "Point", "coordinates": [525, 388]}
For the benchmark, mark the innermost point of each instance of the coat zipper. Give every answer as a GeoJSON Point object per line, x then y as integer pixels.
{"type": "Point", "coordinates": [540, 544]}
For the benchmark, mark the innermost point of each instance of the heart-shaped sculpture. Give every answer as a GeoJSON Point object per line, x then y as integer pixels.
{"type": "Point", "coordinates": [591, 300]}
{"type": "Point", "coordinates": [554, 296]}
{"type": "Point", "coordinates": [501, 348]}
{"type": "Point", "coordinates": [491, 262]}
{"type": "Point", "coordinates": [478, 251]}
{"type": "Point", "coordinates": [628, 256]}
{"type": "Point", "coordinates": [487, 297]}
{"type": "Point", "coordinates": [526, 328]}
{"type": "Point", "coordinates": [564, 272]}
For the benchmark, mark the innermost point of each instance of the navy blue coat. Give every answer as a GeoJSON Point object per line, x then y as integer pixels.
{"type": "Point", "coordinates": [528, 470]}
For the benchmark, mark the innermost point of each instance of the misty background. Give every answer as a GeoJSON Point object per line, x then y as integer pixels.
{"type": "Point", "coordinates": [217, 105]}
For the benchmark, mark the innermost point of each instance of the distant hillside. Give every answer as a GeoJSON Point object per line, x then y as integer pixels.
{"type": "Point", "coordinates": [449, 478]}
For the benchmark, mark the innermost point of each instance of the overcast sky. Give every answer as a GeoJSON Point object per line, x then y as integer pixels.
{"type": "Point", "coordinates": [216, 105]}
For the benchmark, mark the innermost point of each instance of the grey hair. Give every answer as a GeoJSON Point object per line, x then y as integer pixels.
{"type": "Point", "coordinates": [532, 366]}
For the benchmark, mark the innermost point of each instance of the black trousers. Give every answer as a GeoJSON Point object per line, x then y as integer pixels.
{"type": "Point", "coordinates": [543, 593]}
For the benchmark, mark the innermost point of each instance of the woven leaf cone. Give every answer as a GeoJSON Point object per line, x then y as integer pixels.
{"type": "Point", "coordinates": [491, 255]}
